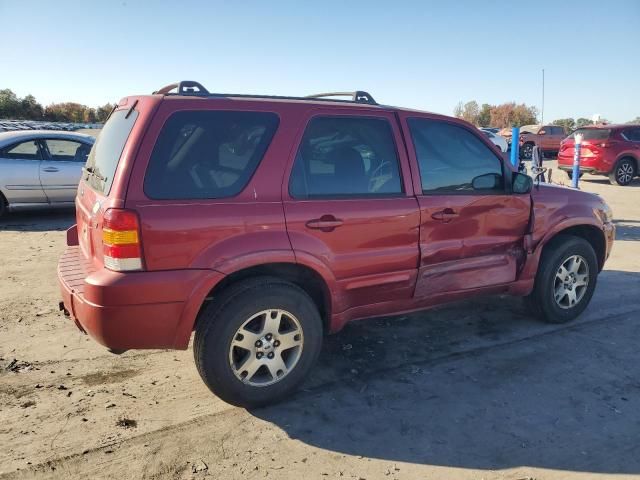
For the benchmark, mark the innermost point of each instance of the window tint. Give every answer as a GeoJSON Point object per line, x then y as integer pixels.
{"type": "Point", "coordinates": [632, 134]}
{"type": "Point", "coordinates": [592, 133]}
{"type": "Point", "coordinates": [450, 157]}
{"type": "Point", "coordinates": [558, 131]}
{"type": "Point", "coordinates": [208, 154]}
{"type": "Point", "coordinates": [22, 151]}
{"type": "Point", "coordinates": [105, 154]}
{"type": "Point", "coordinates": [67, 150]}
{"type": "Point", "coordinates": [346, 156]}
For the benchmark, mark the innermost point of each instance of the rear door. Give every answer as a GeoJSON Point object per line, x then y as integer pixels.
{"type": "Point", "coordinates": [349, 205]}
{"type": "Point", "coordinates": [471, 232]}
{"type": "Point", "coordinates": [61, 168]}
{"type": "Point", "coordinates": [19, 172]}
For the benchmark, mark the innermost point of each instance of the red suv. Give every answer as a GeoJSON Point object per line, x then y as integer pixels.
{"type": "Point", "coordinates": [612, 150]}
{"type": "Point", "coordinates": [262, 223]}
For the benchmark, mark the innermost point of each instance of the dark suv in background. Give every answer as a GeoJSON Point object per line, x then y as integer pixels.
{"type": "Point", "coordinates": [612, 150]}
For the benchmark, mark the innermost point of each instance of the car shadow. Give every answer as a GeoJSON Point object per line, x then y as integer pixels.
{"type": "Point", "coordinates": [481, 385]}
{"type": "Point", "coordinates": [604, 181]}
{"type": "Point", "coordinates": [38, 221]}
{"type": "Point", "coordinates": [628, 230]}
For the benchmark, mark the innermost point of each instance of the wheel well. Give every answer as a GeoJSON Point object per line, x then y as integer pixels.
{"type": "Point", "coordinates": [591, 234]}
{"type": "Point", "coordinates": [304, 277]}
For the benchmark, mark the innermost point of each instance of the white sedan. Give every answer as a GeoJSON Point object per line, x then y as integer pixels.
{"type": "Point", "coordinates": [497, 140]}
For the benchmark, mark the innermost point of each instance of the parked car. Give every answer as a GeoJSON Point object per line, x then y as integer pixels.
{"type": "Point", "coordinates": [496, 139]}
{"type": "Point", "coordinates": [264, 222]}
{"type": "Point", "coordinates": [491, 129]}
{"type": "Point", "coordinates": [612, 150]}
{"type": "Point", "coordinates": [40, 168]}
{"type": "Point", "coordinates": [546, 137]}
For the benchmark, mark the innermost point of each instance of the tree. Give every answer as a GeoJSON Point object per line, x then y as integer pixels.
{"type": "Point", "coordinates": [569, 124]}
{"type": "Point", "coordinates": [31, 109]}
{"type": "Point", "coordinates": [484, 117]}
{"type": "Point", "coordinates": [583, 122]}
{"type": "Point", "coordinates": [635, 121]}
{"type": "Point", "coordinates": [103, 112]}
{"type": "Point", "coordinates": [458, 109]}
{"type": "Point", "coordinates": [513, 115]}
{"type": "Point", "coordinates": [9, 104]}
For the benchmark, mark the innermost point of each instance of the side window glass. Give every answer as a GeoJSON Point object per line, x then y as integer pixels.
{"type": "Point", "coordinates": [450, 157]}
{"type": "Point", "coordinates": [633, 134]}
{"type": "Point", "coordinates": [67, 150]}
{"type": "Point", "coordinates": [23, 151]}
{"type": "Point", "coordinates": [208, 154]}
{"type": "Point", "coordinates": [346, 156]}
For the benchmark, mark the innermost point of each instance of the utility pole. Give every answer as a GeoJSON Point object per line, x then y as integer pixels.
{"type": "Point", "coordinates": [542, 113]}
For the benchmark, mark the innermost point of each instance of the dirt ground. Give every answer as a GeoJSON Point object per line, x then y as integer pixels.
{"type": "Point", "coordinates": [476, 390]}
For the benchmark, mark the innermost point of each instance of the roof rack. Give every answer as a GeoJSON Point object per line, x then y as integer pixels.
{"type": "Point", "coordinates": [185, 87]}
{"type": "Point", "coordinates": [191, 88]}
{"type": "Point", "coordinates": [359, 96]}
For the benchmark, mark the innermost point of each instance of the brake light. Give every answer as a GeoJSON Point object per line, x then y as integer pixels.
{"type": "Point", "coordinates": [121, 240]}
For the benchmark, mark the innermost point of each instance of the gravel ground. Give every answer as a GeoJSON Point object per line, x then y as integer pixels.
{"type": "Point", "coordinates": [476, 390]}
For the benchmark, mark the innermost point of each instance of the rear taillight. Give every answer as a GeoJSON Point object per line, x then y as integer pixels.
{"type": "Point", "coordinates": [121, 240]}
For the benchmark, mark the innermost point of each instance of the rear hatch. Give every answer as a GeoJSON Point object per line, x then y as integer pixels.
{"type": "Point", "coordinates": [593, 141]}
{"type": "Point", "coordinates": [105, 176]}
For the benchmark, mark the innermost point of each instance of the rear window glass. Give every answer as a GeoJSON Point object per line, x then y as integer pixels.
{"type": "Point", "coordinates": [105, 154]}
{"type": "Point", "coordinates": [593, 133]}
{"type": "Point", "coordinates": [208, 154]}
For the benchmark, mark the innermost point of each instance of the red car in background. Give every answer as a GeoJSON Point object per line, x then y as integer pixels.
{"type": "Point", "coordinates": [612, 150]}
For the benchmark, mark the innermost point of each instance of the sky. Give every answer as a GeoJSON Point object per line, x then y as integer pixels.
{"type": "Point", "coordinates": [427, 55]}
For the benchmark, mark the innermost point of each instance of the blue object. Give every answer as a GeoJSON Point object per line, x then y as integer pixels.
{"type": "Point", "coordinates": [515, 146]}
{"type": "Point", "coordinates": [576, 165]}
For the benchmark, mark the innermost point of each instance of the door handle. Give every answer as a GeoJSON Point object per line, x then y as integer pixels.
{"type": "Point", "coordinates": [445, 215]}
{"type": "Point", "coordinates": [326, 223]}
{"type": "Point", "coordinates": [50, 169]}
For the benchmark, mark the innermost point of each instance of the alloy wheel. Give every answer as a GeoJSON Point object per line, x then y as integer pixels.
{"type": "Point", "coordinates": [571, 281]}
{"type": "Point", "coordinates": [266, 347]}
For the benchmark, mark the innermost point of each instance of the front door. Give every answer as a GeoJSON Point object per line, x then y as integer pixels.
{"type": "Point", "coordinates": [349, 206]}
{"type": "Point", "coordinates": [472, 228]}
{"type": "Point", "coordinates": [61, 168]}
{"type": "Point", "coordinates": [19, 173]}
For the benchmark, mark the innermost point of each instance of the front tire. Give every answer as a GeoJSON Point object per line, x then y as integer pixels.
{"type": "Point", "coordinates": [565, 281]}
{"type": "Point", "coordinates": [258, 341]}
{"type": "Point", "coordinates": [527, 151]}
{"type": "Point", "coordinates": [623, 173]}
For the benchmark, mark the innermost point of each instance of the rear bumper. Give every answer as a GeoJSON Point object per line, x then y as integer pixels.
{"type": "Point", "coordinates": [133, 310]}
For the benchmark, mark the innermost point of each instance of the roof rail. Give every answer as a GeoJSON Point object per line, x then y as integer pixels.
{"type": "Point", "coordinates": [185, 87]}
{"type": "Point", "coordinates": [191, 88]}
{"type": "Point", "coordinates": [359, 96]}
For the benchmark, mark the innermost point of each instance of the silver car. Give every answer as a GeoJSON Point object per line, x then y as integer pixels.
{"type": "Point", "coordinates": [41, 168]}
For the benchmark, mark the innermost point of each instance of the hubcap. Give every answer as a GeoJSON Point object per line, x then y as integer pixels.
{"type": "Point", "coordinates": [266, 347]}
{"type": "Point", "coordinates": [527, 151]}
{"type": "Point", "coordinates": [571, 282]}
{"type": "Point", "coordinates": [625, 173]}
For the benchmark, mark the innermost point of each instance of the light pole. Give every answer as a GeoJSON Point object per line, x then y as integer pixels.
{"type": "Point", "coordinates": [542, 112]}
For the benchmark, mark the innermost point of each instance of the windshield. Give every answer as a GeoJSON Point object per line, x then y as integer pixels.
{"type": "Point", "coordinates": [592, 133]}
{"type": "Point", "coordinates": [105, 154]}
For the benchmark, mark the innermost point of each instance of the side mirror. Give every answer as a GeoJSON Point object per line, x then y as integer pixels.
{"type": "Point", "coordinates": [542, 132]}
{"type": "Point", "coordinates": [489, 181]}
{"type": "Point", "coordinates": [522, 183]}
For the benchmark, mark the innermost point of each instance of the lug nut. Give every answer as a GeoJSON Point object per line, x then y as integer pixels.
{"type": "Point", "coordinates": [268, 336]}
{"type": "Point", "coordinates": [276, 343]}
{"type": "Point", "coordinates": [270, 355]}
{"type": "Point", "coordinates": [259, 343]}
{"type": "Point", "coordinates": [259, 355]}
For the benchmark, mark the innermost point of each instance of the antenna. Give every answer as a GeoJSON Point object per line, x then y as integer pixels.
{"type": "Point", "coordinates": [542, 112]}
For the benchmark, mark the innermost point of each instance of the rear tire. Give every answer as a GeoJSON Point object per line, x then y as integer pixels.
{"type": "Point", "coordinates": [565, 281]}
{"type": "Point", "coordinates": [624, 172]}
{"type": "Point", "coordinates": [570, 174]}
{"type": "Point", "coordinates": [258, 341]}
